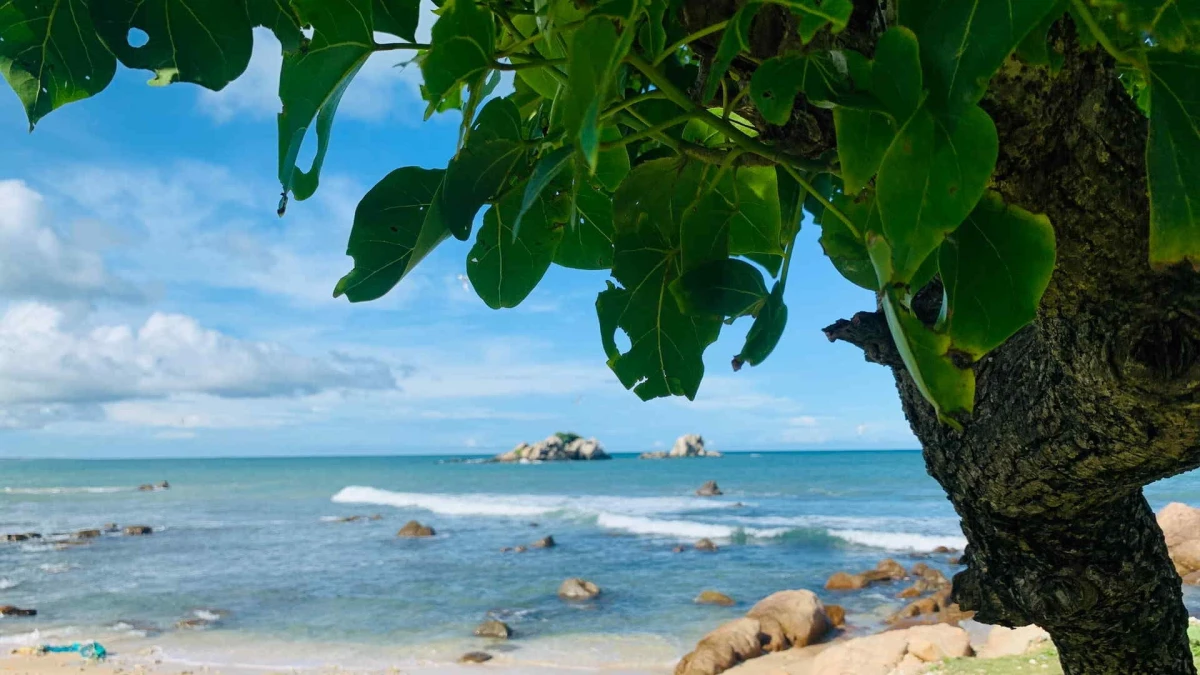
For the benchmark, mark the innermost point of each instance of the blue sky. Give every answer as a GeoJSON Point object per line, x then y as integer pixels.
{"type": "Point", "coordinates": [152, 304]}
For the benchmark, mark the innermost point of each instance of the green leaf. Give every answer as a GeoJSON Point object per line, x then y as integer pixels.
{"type": "Point", "coordinates": [775, 83]}
{"type": "Point", "coordinates": [206, 43]}
{"type": "Point", "coordinates": [313, 80]}
{"type": "Point", "coordinates": [588, 242]}
{"type": "Point", "coordinates": [504, 266]}
{"type": "Point", "coordinates": [766, 330]}
{"type": "Point", "coordinates": [50, 54]}
{"type": "Point", "coordinates": [612, 165]}
{"type": "Point", "coordinates": [666, 353]}
{"type": "Point", "coordinates": [1173, 24]}
{"type": "Point", "coordinates": [1035, 48]}
{"type": "Point", "coordinates": [863, 138]}
{"type": "Point", "coordinates": [652, 36]}
{"type": "Point", "coordinates": [721, 288]}
{"type": "Point", "coordinates": [1173, 158]}
{"type": "Point", "coordinates": [547, 169]}
{"type": "Point", "coordinates": [896, 73]}
{"type": "Point", "coordinates": [735, 40]}
{"type": "Point", "coordinates": [462, 45]}
{"type": "Point", "coordinates": [596, 53]}
{"type": "Point", "coordinates": [756, 225]}
{"type": "Point", "coordinates": [994, 268]}
{"type": "Point", "coordinates": [280, 17]}
{"type": "Point", "coordinates": [925, 353]}
{"type": "Point", "coordinates": [964, 42]}
{"type": "Point", "coordinates": [395, 226]}
{"type": "Point", "coordinates": [929, 181]}
{"type": "Point", "coordinates": [398, 17]}
{"type": "Point", "coordinates": [791, 199]}
{"type": "Point", "coordinates": [814, 15]}
{"type": "Point", "coordinates": [704, 230]}
{"type": "Point", "coordinates": [657, 192]}
{"type": "Point", "coordinates": [845, 250]}
{"type": "Point", "coordinates": [484, 166]}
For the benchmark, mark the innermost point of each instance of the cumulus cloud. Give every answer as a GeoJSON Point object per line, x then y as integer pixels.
{"type": "Point", "coordinates": [36, 261]}
{"type": "Point", "coordinates": [45, 360]}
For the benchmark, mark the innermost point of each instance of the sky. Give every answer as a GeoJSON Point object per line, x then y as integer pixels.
{"type": "Point", "coordinates": [153, 305]}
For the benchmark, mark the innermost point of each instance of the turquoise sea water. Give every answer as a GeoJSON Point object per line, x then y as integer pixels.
{"type": "Point", "coordinates": [254, 538]}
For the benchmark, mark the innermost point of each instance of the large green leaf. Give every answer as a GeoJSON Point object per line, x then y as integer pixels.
{"type": "Point", "coordinates": [766, 330]}
{"type": "Point", "coordinates": [505, 266]}
{"type": "Point", "coordinates": [596, 53]}
{"type": "Point", "coordinates": [398, 17]}
{"type": "Point", "coordinates": [721, 288]}
{"type": "Point", "coordinates": [1174, 24]}
{"type": "Point", "coordinates": [813, 15]}
{"type": "Point", "coordinates": [847, 251]}
{"type": "Point", "coordinates": [658, 192]}
{"type": "Point", "coordinates": [775, 83]}
{"type": "Point", "coordinates": [929, 181]}
{"type": "Point", "coordinates": [1173, 158]}
{"type": "Point", "coordinates": [926, 356]}
{"type": "Point", "coordinates": [964, 42]}
{"type": "Point", "coordinates": [50, 54]}
{"type": "Point", "coordinates": [896, 78]}
{"type": "Point", "coordinates": [994, 268]}
{"type": "Point", "coordinates": [280, 17]}
{"type": "Point", "coordinates": [544, 172]}
{"type": "Point", "coordinates": [313, 80]}
{"type": "Point", "coordinates": [756, 224]}
{"type": "Point", "coordinates": [462, 46]}
{"type": "Point", "coordinates": [1035, 48]}
{"type": "Point", "coordinates": [588, 242]}
{"type": "Point", "coordinates": [863, 137]}
{"type": "Point", "coordinates": [612, 165]}
{"type": "Point", "coordinates": [734, 40]}
{"type": "Point", "coordinates": [484, 166]}
{"type": "Point", "coordinates": [207, 43]}
{"type": "Point", "coordinates": [704, 230]}
{"type": "Point", "coordinates": [395, 226]}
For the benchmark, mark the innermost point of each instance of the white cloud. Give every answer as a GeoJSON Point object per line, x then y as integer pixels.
{"type": "Point", "coordinates": [38, 262]}
{"type": "Point", "coordinates": [44, 359]}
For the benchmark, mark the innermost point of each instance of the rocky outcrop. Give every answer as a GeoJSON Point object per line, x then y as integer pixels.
{"type": "Point", "coordinates": [1180, 524]}
{"type": "Point", "coordinates": [578, 589]}
{"type": "Point", "coordinates": [844, 581]}
{"type": "Point", "coordinates": [493, 629]}
{"type": "Point", "coordinates": [413, 529]}
{"type": "Point", "coordinates": [709, 489]}
{"type": "Point", "coordinates": [9, 610]}
{"type": "Point", "coordinates": [111, 527]}
{"type": "Point", "coordinates": [475, 657]}
{"type": "Point", "coordinates": [153, 487]}
{"type": "Point", "coordinates": [544, 542]}
{"type": "Point", "coordinates": [656, 454]}
{"type": "Point", "coordinates": [886, 570]}
{"type": "Point", "coordinates": [780, 621]}
{"type": "Point", "coordinates": [714, 598]}
{"type": "Point", "coordinates": [688, 445]}
{"type": "Point", "coordinates": [559, 447]}
{"type": "Point", "coordinates": [903, 652]}
{"type": "Point", "coordinates": [1002, 641]}
{"type": "Point", "coordinates": [138, 530]}
{"type": "Point", "coordinates": [86, 534]}
{"type": "Point", "coordinates": [836, 615]}
{"type": "Point", "coordinates": [706, 545]}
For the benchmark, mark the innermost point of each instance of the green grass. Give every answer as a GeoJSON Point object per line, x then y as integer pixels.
{"type": "Point", "coordinates": [1044, 661]}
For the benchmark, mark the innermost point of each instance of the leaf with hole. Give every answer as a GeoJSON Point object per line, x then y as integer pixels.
{"type": "Point", "coordinates": [280, 17]}
{"type": "Point", "coordinates": [504, 266]}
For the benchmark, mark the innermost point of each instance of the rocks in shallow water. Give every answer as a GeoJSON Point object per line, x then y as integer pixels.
{"type": "Point", "coordinates": [9, 610]}
{"type": "Point", "coordinates": [709, 489]}
{"type": "Point", "coordinates": [475, 657]}
{"type": "Point", "coordinates": [723, 648]}
{"type": "Point", "coordinates": [413, 529]}
{"type": "Point", "coordinates": [578, 589]}
{"type": "Point", "coordinates": [544, 542]}
{"type": "Point", "coordinates": [714, 598]}
{"type": "Point", "coordinates": [886, 570]}
{"type": "Point", "coordinates": [493, 629]}
{"type": "Point", "coordinates": [138, 530]}
{"type": "Point", "coordinates": [559, 447]}
{"type": "Point", "coordinates": [836, 615]}
{"type": "Point", "coordinates": [706, 544]}
{"type": "Point", "coordinates": [955, 560]}
{"type": "Point", "coordinates": [86, 534]}
{"type": "Point", "coordinates": [679, 549]}
{"type": "Point", "coordinates": [22, 536]}
{"type": "Point", "coordinates": [656, 454]}
{"type": "Point", "coordinates": [790, 619]}
{"type": "Point", "coordinates": [844, 581]}
{"type": "Point", "coordinates": [152, 487]}
{"type": "Point", "coordinates": [193, 624]}
{"type": "Point", "coordinates": [111, 527]}
{"type": "Point", "coordinates": [520, 549]}
{"type": "Point", "coordinates": [945, 549]}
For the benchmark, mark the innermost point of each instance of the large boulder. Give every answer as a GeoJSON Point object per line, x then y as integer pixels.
{"type": "Point", "coordinates": [836, 615]}
{"type": "Point", "coordinates": [722, 649]}
{"type": "Point", "coordinates": [559, 447]}
{"type": "Point", "coordinates": [790, 619]}
{"type": "Point", "coordinates": [886, 570]}
{"type": "Point", "coordinates": [578, 589]}
{"type": "Point", "coordinates": [493, 629]}
{"type": "Point", "coordinates": [414, 529]}
{"type": "Point", "coordinates": [1179, 523]}
{"type": "Point", "coordinates": [1002, 641]}
{"type": "Point", "coordinates": [709, 489]}
{"type": "Point", "coordinates": [691, 445]}
{"type": "Point", "coordinates": [844, 581]}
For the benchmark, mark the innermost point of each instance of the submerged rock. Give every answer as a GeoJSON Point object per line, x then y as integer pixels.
{"type": "Point", "coordinates": [9, 610]}
{"type": "Point", "coordinates": [414, 529]}
{"type": "Point", "coordinates": [706, 544]}
{"type": "Point", "coordinates": [656, 454]}
{"type": "Point", "coordinates": [86, 534]}
{"type": "Point", "coordinates": [475, 657]}
{"type": "Point", "coordinates": [714, 598]}
{"type": "Point", "coordinates": [138, 530]}
{"type": "Point", "coordinates": [544, 542]}
{"type": "Point", "coordinates": [493, 629]}
{"type": "Point", "coordinates": [559, 447]}
{"type": "Point", "coordinates": [111, 527]}
{"type": "Point", "coordinates": [709, 489]}
{"type": "Point", "coordinates": [578, 589]}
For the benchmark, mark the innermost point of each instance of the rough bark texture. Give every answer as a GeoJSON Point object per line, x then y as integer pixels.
{"type": "Point", "coordinates": [1078, 411]}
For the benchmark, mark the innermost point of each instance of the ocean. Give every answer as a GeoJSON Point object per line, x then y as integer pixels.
{"type": "Point", "coordinates": [255, 546]}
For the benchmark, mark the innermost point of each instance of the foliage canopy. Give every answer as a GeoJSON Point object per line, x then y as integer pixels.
{"type": "Point", "coordinates": [629, 144]}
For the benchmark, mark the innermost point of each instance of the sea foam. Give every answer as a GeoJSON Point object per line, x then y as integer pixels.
{"type": "Point", "coordinates": [65, 490]}
{"type": "Point", "coordinates": [900, 541]}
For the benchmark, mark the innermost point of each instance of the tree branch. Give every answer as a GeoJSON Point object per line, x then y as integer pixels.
{"type": "Point", "coordinates": [869, 332]}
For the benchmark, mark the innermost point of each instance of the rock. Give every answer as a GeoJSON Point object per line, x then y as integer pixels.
{"type": "Point", "coordinates": [559, 447]}
{"type": "Point", "coordinates": [902, 652]}
{"type": "Point", "coordinates": [836, 615]}
{"type": "Point", "coordinates": [1002, 641]}
{"type": "Point", "coordinates": [9, 610]}
{"type": "Point", "coordinates": [709, 489]}
{"type": "Point", "coordinates": [955, 560]}
{"type": "Point", "coordinates": [1186, 556]}
{"type": "Point", "coordinates": [657, 454]}
{"type": "Point", "coordinates": [520, 549]}
{"type": "Point", "coordinates": [146, 488]}
{"type": "Point", "coordinates": [844, 581]}
{"type": "Point", "coordinates": [475, 657]}
{"type": "Point", "coordinates": [691, 445]}
{"type": "Point", "coordinates": [1192, 579]}
{"type": "Point", "coordinates": [193, 624]}
{"type": "Point", "coordinates": [706, 544]}
{"type": "Point", "coordinates": [86, 534]}
{"type": "Point", "coordinates": [414, 529]}
{"type": "Point", "coordinates": [137, 530]}
{"type": "Point", "coordinates": [886, 570]}
{"type": "Point", "coordinates": [578, 589]}
{"type": "Point", "coordinates": [679, 549]}
{"type": "Point", "coordinates": [506, 549]}
{"type": "Point", "coordinates": [723, 648]}
{"type": "Point", "coordinates": [919, 569]}
{"type": "Point", "coordinates": [23, 536]}
{"type": "Point", "coordinates": [163, 485]}
{"type": "Point", "coordinates": [910, 592]}
{"type": "Point", "coordinates": [493, 629]}
{"type": "Point", "coordinates": [544, 542]}
{"type": "Point", "coordinates": [348, 519]}
{"type": "Point", "coordinates": [1179, 523]}
{"type": "Point", "coordinates": [111, 527]}
{"type": "Point", "coordinates": [790, 619]}
{"type": "Point", "coordinates": [375, 516]}
{"type": "Point", "coordinates": [714, 598]}
{"type": "Point", "coordinates": [945, 549]}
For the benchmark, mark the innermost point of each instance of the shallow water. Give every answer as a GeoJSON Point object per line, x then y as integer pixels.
{"type": "Point", "coordinates": [255, 539]}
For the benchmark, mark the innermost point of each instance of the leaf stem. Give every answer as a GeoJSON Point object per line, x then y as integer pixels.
{"type": "Point", "coordinates": [1085, 15]}
{"type": "Point", "coordinates": [392, 46]}
{"type": "Point", "coordinates": [532, 63]}
{"type": "Point", "coordinates": [648, 131]}
{"type": "Point", "coordinates": [660, 137]}
{"type": "Point", "coordinates": [808, 187]}
{"type": "Point", "coordinates": [631, 101]}
{"type": "Point", "coordinates": [703, 32]}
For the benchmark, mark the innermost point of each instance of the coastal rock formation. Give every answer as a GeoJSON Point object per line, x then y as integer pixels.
{"type": "Point", "coordinates": [886, 570]}
{"type": "Point", "coordinates": [559, 447]}
{"type": "Point", "coordinates": [152, 487]}
{"type": "Point", "coordinates": [578, 589]}
{"type": "Point", "coordinates": [723, 648]}
{"type": "Point", "coordinates": [709, 489]}
{"type": "Point", "coordinates": [414, 529]}
{"type": "Point", "coordinates": [493, 629]}
{"type": "Point", "coordinates": [836, 615]}
{"type": "Point", "coordinates": [86, 534]}
{"type": "Point", "coordinates": [1180, 524]}
{"type": "Point", "coordinates": [707, 545]}
{"type": "Point", "coordinates": [544, 542]}
{"type": "Point", "coordinates": [844, 581]}
{"type": "Point", "coordinates": [9, 610]}
{"type": "Point", "coordinates": [903, 652]}
{"type": "Point", "coordinates": [475, 657]}
{"type": "Point", "coordinates": [138, 530]}
{"type": "Point", "coordinates": [714, 598]}
{"type": "Point", "coordinates": [1002, 641]}
{"type": "Point", "coordinates": [688, 445]}
{"type": "Point", "coordinates": [111, 527]}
